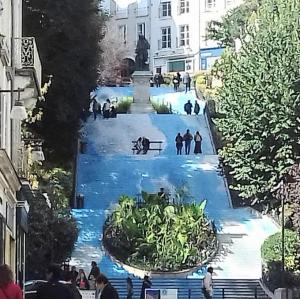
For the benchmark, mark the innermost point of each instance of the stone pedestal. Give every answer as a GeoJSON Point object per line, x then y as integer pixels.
{"type": "Point", "coordinates": [141, 93]}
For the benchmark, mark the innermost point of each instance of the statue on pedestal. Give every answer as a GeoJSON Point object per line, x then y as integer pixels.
{"type": "Point", "coordinates": [141, 52]}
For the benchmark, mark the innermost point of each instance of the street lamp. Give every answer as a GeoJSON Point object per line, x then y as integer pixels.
{"type": "Point", "coordinates": [18, 111]}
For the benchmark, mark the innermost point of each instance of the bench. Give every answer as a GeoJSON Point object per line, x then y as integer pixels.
{"type": "Point", "coordinates": [157, 148]}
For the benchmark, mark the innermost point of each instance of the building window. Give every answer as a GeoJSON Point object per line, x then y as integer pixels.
{"type": "Point", "coordinates": [184, 6]}
{"type": "Point", "coordinates": [140, 30]}
{"type": "Point", "coordinates": [210, 4]}
{"type": "Point", "coordinates": [176, 66]}
{"type": "Point", "coordinates": [166, 37]}
{"type": "Point", "coordinates": [184, 36]}
{"type": "Point", "coordinates": [165, 9]}
{"type": "Point", "coordinates": [123, 33]}
{"type": "Point", "coordinates": [2, 243]}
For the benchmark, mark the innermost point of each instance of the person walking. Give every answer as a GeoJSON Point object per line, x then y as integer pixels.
{"type": "Point", "coordinates": [187, 81]}
{"type": "Point", "coordinates": [187, 137]}
{"type": "Point", "coordinates": [156, 80]}
{"type": "Point", "coordinates": [208, 284]}
{"type": "Point", "coordinates": [175, 83]}
{"type": "Point", "coordinates": [106, 109]}
{"type": "Point", "coordinates": [95, 271]}
{"type": "Point", "coordinates": [146, 285]}
{"type": "Point", "coordinates": [188, 107]}
{"type": "Point", "coordinates": [81, 281]}
{"type": "Point", "coordinates": [53, 289]}
{"type": "Point", "coordinates": [179, 144]}
{"type": "Point", "coordinates": [178, 78]}
{"type": "Point", "coordinates": [8, 289]}
{"type": "Point", "coordinates": [95, 107]}
{"type": "Point", "coordinates": [196, 108]}
{"type": "Point", "coordinates": [104, 290]}
{"type": "Point", "coordinates": [129, 288]}
{"type": "Point", "coordinates": [198, 141]}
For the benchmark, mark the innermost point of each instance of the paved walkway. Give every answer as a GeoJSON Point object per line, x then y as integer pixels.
{"type": "Point", "coordinates": [109, 169]}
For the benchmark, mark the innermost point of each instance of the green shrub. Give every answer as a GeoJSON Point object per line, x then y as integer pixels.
{"type": "Point", "coordinates": [159, 236]}
{"type": "Point", "coordinates": [162, 108]}
{"type": "Point", "coordinates": [271, 250]}
{"type": "Point", "coordinates": [123, 106]}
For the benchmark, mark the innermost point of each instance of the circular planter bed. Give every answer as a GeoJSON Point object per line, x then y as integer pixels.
{"type": "Point", "coordinates": [157, 236]}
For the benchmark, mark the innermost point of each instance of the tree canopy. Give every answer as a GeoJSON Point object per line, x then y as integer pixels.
{"type": "Point", "coordinates": [259, 107]}
{"type": "Point", "coordinates": [67, 35]}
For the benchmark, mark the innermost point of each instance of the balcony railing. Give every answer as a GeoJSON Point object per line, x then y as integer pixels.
{"type": "Point", "coordinates": [27, 56]}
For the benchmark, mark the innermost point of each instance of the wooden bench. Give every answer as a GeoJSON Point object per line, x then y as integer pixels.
{"type": "Point", "coordinates": [157, 148]}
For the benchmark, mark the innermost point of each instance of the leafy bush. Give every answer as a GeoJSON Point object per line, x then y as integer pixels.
{"type": "Point", "coordinates": [271, 250]}
{"type": "Point", "coordinates": [123, 106]}
{"type": "Point", "coordinates": [162, 108]}
{"type": "Point", "coordinates": [159, 236]}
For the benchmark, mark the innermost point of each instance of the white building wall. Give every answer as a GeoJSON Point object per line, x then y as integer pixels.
{"type": "Point", "coordinates": [213, 10]}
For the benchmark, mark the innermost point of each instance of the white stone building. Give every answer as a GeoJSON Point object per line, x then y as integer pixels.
{"type": "Point", "coordinates": [20, 81]}
{"type": "Point", "coordinates": [174, 28]}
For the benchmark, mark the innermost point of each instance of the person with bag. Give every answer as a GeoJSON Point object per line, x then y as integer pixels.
{"type": "Point", "coordinates": [207, 288]}
{"type": "Point", "coordinates": [198, 141]}
{"type": "Point", "coordinates": [8, 289]}
{"type": "Point", "coordinates": [82, 281]}
{"type": "Point", "coordinates": [196, 108]}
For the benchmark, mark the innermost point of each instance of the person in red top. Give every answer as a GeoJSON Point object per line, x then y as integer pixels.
{"type": "Point", "coordinates": [8, 289]}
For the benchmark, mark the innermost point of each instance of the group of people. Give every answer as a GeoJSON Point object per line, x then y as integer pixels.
{"type": "Point", "coordinates": [186, 139]}
{"type": "Point", "coordinates": [188, 107]}
{"type": "Point", "coordinates": [142, 145]}
{"type": "Point", "coordinates": [157, 80]}
{"type": "Point", "coordinates": [186, 80]}
{"type": "Point", "coordinates": [108, 109]}
{"type": "Point", "coordinates": [55, 289]}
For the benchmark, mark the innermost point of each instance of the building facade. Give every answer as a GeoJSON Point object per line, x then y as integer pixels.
{"type": "Point", "coordinates": [20, 81]}
{"type": "Point", "coordinates": [175, 29]}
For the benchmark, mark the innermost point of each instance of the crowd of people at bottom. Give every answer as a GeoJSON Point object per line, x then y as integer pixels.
{"type": "Point", "coordinates": [187, 140]}
{"type": "Point", "coordinates": [74, 281]}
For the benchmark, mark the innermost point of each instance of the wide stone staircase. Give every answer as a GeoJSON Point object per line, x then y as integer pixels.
{"type": "Point", "coordinates": [191, 288]}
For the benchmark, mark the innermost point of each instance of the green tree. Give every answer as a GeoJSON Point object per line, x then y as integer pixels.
{"type": "Point", "coordinates": [67, 34]}
{"type": "Point", "coordinates": [51, 236]}
{"type": "Point", "coordinates": [259, 110]}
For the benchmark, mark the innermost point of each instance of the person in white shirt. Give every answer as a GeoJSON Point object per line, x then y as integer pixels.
{"type": "Point", "coordinates": [208, 284]}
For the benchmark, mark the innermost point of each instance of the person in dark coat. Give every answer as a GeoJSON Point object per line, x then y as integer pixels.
{"type": "Point", "coordinates": [146, 285]}
{"type": "Point", "coordinates": [95, 107]}
{"type": "Point", "coordinates": [113, 112]}
{"type": "Point", "coordinates": [106, 289]}
{"type": "Point", "coordinates": [72, 287]}
{"type": "Point", "coordinates": [187, 137]}
{"type": "Point", "coordinates": [74, 274]}
{"type": "Point", "coordinates": [188, 107]}
{"type": "Point", "coordinates": [129, 288]}
{"type": "Point", "coordinates": [196, 108]}
{"type": "Point", "coordinates": [53, 289]}
{"type": "Point", "coordinates": [198, 141]}
{"type": "Point", "coordinates": [179, 143]}
{"type": "Point", "coordinates": [146, 145]}
{"type": "Point", "coordinates": [95, 271]}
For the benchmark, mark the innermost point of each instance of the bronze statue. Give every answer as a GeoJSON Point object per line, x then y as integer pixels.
{"type": "Point", "coordinates": [141, 52]}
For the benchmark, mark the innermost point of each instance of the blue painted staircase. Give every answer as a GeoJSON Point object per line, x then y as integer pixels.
{"type": "Point", "coordinates": [191, 288]}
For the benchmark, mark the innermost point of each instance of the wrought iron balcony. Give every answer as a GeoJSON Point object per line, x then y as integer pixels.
{"type": "Point", "coordinates": [27, 58]}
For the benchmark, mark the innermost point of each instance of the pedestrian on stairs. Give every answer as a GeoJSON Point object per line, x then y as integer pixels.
{"type": "Point", "coordinates": [208, 284]}
{"type": "Point", "coordinates": [146, 285]}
